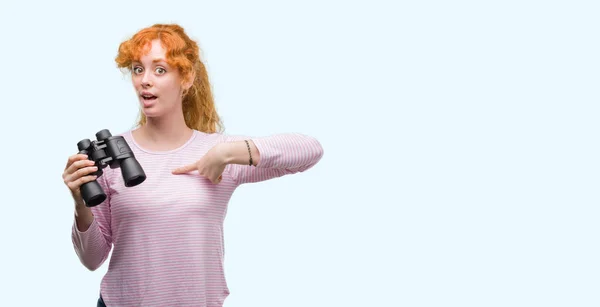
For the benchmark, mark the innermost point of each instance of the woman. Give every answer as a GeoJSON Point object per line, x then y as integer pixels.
{"type": "Point", "coordinates": [166, 234]}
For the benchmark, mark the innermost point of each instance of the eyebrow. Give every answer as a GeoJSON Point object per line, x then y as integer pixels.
{"type": "Point", "coordinates": [155, 60]}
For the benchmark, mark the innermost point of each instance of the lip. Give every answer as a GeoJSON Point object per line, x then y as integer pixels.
{"type": "Point", "coordinates": [147, 103]}
{"type": "Point", "coordinates": [144, 93]}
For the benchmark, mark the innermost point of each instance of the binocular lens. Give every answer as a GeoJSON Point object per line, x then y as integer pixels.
{"type": "Point", "coordinates": [132, 172]}
{"type": "Point", "coordinates": [121, 156]}
{"type": "Point", "coordinates": [92, 193]}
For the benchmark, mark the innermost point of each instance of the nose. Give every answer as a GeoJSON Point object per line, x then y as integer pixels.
{"type": "Point", "coordinates": [146, 80]}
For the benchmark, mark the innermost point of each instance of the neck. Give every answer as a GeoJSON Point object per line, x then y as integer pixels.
{"type": "Point", "coordinates": [164, 133]}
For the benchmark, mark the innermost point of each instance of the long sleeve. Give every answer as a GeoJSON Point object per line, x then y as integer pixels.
{"type": "Point", "coordinates": [93, 245]}
{"type": "Point", "coordinates": [280, 155]}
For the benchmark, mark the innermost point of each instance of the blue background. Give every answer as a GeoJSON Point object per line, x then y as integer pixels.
{"type": "Point", "coordinates": [461, 150]}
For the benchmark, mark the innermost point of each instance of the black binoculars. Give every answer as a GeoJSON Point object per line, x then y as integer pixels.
{"type": "Point", "coordinates": [108, 150]}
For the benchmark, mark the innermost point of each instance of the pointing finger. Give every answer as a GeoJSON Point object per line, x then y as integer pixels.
{"type": "Point", "coordinates": [218, 180]}
{"type": "Point", "coordinates": [184, 169]}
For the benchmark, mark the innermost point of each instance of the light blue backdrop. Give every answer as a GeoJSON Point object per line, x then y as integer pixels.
{"type": "Point", "coordinates": [460, 137]}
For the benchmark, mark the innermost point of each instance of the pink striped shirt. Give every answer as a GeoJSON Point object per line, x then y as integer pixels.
{"type": "Point", "coordinates": [167, 233]}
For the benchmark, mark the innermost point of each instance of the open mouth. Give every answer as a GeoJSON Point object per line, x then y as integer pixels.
{"type": "Point", "coordinates": [148, 97]}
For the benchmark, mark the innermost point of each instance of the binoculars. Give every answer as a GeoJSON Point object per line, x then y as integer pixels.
{"type": "Point", "coordinates": [111, 151]}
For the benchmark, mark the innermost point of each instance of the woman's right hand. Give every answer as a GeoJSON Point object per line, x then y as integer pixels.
{"type": "Point", "coordinates": [77, 172]}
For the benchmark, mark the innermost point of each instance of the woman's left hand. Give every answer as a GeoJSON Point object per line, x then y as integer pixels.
{"type": "Point", "coordinates": [211, 165]}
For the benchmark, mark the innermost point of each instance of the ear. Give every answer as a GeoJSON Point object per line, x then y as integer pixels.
{"type": "Point", "coordinates": [190, 81]}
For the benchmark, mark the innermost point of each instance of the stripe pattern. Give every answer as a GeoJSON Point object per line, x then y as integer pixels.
{"type": "Point", "coordinates": [166, 234]}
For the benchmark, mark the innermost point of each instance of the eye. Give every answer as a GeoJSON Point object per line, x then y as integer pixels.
{"type": "Point", "coordinates": [137, 70]}
{"type": "Point", "coordinates": [160, 70]}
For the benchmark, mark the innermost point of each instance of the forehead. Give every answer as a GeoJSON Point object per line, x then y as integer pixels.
{"type": "Point", "coordinates": [152, 52]}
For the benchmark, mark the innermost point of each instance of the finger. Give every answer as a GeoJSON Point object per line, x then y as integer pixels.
{"type": "Point", "coordinates": [184, 169]}
{"type": "Point", "coordinates": [79, 164]}
{"type": "Point", "coordinates": [74, 158]}
{"type": "Point", "coordinates": [74, 185]}
{"type": "Point", "coordinates": [81, 172]}
{"type": "Point", "coordinates": [75, 166]}
{"type": "Point", "coordinates": [84, 171]}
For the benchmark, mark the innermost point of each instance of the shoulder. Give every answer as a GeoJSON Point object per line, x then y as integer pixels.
{"type": "Point", "coordinates": [204, 138]}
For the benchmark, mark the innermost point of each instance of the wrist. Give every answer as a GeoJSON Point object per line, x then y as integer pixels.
{"type": "Point", "coordinates": [81, 208]}
{"type": "Point", "coordinates": [227, 153]}
{"type": "Point", "coordinates": [240, 152]}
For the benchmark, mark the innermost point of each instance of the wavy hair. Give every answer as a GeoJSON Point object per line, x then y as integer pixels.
{"type": "Point", "coordinates": [182, 52]}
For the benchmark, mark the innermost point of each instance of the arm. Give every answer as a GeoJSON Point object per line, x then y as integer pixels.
{"type": "Point", "coordinates": [273, 156]}
{"type": "Point", "coordinates": [91, 231]}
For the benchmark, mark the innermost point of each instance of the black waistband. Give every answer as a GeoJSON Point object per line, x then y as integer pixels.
{"type": "Point", "coordinates": [101, 302]}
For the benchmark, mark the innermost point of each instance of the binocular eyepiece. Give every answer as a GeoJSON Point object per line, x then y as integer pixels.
{"type": "Point", "coordinates": [109, 150]}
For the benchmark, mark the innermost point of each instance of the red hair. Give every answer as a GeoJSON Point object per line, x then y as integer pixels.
{"type": "Point", "coordinates": [182, 52]}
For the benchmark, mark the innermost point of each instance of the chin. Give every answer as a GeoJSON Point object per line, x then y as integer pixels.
{"type": "Point", "coordinates": [152, 111]}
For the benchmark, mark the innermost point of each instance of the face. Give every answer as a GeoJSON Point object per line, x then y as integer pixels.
{"type": "Point", "coordinates": [157, 84]}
